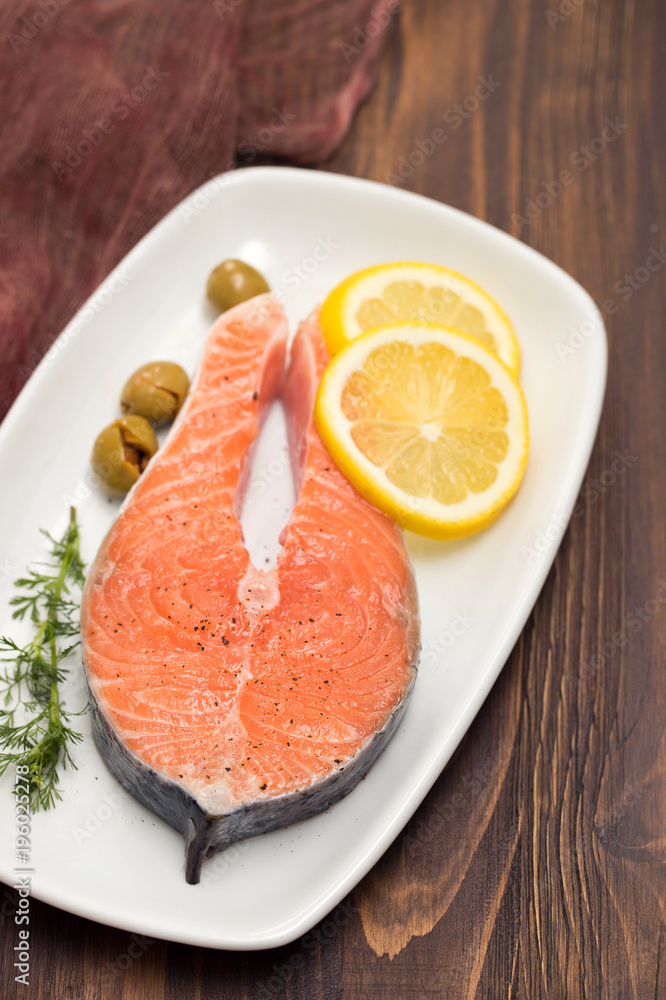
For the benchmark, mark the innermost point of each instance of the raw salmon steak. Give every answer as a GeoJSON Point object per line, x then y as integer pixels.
{"type": "Point", "coordinates": [228, 699]}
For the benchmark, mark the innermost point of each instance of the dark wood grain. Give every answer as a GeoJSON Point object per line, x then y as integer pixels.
{"type": "Point", "coordinates": [536, 867]}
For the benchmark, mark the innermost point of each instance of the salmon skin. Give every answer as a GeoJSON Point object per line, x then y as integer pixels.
{"type": "Point", "coordinates": [229, 700]}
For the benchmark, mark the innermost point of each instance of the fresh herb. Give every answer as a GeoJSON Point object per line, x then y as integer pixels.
{"type": "Point", "coordinates": [34, 727]}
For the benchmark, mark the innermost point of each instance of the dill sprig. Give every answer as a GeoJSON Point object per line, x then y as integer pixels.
{"type": "Point", "coordinates": [35, 729]}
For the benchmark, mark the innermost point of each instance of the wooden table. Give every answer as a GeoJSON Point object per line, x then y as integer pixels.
{"type": "Point", "coordinates": [535, 867]}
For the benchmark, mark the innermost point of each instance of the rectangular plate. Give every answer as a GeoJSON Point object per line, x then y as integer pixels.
{"type": "Point", "coordinates": [99, 853]}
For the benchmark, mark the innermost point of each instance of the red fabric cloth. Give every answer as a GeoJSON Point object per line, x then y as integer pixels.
{"type": "Point", "coordinates": [111, 111]}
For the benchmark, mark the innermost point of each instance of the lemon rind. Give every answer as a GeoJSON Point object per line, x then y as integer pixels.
{"type": "Point", "coordinates": [364, 476]}
{"type": "Point", "coordinates": [336, 322]}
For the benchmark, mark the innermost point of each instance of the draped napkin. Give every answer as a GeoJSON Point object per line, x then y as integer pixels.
{"type": "Point", "coordinates": [112, 111]}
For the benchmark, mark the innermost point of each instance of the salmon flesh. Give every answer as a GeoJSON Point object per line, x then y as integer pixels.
{"type": "Point", "coordinates": [230, 700]}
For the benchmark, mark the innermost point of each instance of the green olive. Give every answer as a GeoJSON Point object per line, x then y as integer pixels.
{"type": "Point", "coordinates": [122, 451]}
{"type": "Point", "coordinates": [155, 391]}
{"type": "Point", "coordinates": [233, 282]}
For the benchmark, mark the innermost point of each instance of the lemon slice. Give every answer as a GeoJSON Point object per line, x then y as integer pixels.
{"type": "Point", "coordinates": [427, 424]}
{"type": "Point", "coordinates": [409, 292]}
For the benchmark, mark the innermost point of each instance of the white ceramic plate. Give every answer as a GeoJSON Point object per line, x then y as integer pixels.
{"type": "Point", "coordinates": [102, 855]}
